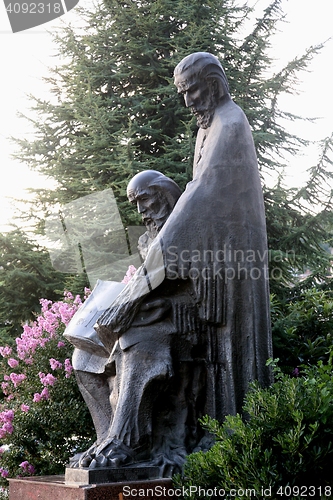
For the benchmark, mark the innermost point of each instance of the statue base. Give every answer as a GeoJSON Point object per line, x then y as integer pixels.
{"type": "Point", "coordinates": [84, 475]}
{"type": "Point", "coordinates": [55, 488]}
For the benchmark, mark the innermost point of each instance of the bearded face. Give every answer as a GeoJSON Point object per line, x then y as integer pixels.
{"type": "Point", "coordinates": [153, 206]}
{"type": "Point", "coordinates": [204, 111]}
{"type": "Point", "coordinates": [199, 96]}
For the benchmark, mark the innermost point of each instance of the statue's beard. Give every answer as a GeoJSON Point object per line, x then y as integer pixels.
{"type": "Point", "coordinates": [204, 118]}
{"type": "Point", "coordinates": [154, 226]}
{"type": "Point", "coordinates": [205, 113]}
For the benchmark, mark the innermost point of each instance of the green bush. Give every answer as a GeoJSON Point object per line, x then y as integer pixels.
{"type": "Point", "coordinates": [303, 328]}
{"type": "Point", "coordinates": [43, 418]}
{"type": "Point", "coordinates": [283, 442]}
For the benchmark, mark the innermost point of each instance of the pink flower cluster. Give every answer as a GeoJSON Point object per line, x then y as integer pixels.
{"type": "Point", "coordinates": [44, 395]}
{"type": "Point", "coordinates": [55, 365]}
{"type": "Point", "coordinates": [52, 316]}
{"type": "Point", "coordinates": [68, 368]}
{"type": "Point", "coordinates": [6, 417]}
{"type": "Point", "coordinates": [4, 388]}
{"type": "Point", "coordinates": [48, 325]}
{"type": "Point", "coordinates": [48, 379]}
{"type": "Point", "coordinates": [28, 468]}
{"type": "Point", "coordinates": [5, 351]}
{"type": "Point", "coordinates": [4, 472]}
{"type": "Point", "coordinates": [129, 274]}
{"type": "Point", "coordinates": [15, 378]}
{"type": "Point", "coordinates": [13, 363]}
{"type": "Point", "coordinates": [41, 331]}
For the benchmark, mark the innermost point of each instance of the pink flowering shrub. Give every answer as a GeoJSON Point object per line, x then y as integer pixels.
{"type": "Point", "coordinates": [43, 418]}
{"type": "Point", "coordinates": [28, 468]}
{"type": "Point", "coordinates": [129, 274]}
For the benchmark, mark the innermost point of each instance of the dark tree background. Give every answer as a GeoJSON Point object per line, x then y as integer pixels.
{"type": "Point", "coordinates": [114, 111]}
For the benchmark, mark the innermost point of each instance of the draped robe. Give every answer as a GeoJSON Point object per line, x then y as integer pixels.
{"type": "Point", "coordinates": [215, 242]}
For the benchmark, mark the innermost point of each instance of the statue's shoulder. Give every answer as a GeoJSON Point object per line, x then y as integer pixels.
{"type": "Point", "coordinates": [230, 112]}
{"type": "Point", "coordinates": [230, 116]}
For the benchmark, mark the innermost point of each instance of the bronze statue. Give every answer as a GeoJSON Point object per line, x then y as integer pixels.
{"type": "Point", "coordinates": [98, 378]}
{"type": "Point", "coordinates": [199, 304]}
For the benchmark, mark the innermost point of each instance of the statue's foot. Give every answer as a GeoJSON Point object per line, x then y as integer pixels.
{"type": "Point", "coordinates": [116, 453]}
{"type": "Point", "coordinates": [110, 453]}
{"type": "Point", "coordinates": [84, 458]}
{"type": "Point", "coordinates": [169, 462]}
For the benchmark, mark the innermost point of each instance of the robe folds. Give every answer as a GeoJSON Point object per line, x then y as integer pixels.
{"type": "Point", "coordinates": [213, 249]}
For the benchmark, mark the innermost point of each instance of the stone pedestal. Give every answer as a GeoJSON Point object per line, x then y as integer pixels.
{"type": "Point", "coordinates": [84, 475]}
{"type": "Point", "coordinates": [55, 488]}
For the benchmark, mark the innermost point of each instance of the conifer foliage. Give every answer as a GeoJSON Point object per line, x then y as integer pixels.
{"type": "Point", "coordinates": [26, 275]}
{"type": "Point", "coordinates": [115, 111]}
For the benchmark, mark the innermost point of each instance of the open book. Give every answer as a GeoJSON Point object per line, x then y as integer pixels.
{"type": "Point", "coordinates": [80, 331]}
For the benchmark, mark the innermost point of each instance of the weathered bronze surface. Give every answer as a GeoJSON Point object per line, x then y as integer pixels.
{"type": "Point", "coordinates": [193, 324]}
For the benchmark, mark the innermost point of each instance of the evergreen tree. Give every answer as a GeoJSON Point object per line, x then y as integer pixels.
{"type": "Point", "coordinates": [26, 276]}
{"type": "Point", "coordinates": [115, 112]}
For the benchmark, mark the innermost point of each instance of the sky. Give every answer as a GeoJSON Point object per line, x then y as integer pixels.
{"type": "Point", "coordinates": [26, 57]}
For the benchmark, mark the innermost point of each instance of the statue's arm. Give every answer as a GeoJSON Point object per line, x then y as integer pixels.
{"type": "Point", "coordinates": [119, 316]}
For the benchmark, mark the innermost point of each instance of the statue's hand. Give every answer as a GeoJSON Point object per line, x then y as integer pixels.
{"type": "Point", "coordinates": [106, 336]}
